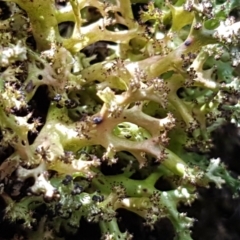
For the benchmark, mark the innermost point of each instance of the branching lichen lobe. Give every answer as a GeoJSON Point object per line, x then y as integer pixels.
{"type": "Point", "coordinates": [156, 93]}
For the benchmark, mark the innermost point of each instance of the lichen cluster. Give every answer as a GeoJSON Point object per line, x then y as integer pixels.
{"type": "Point", "coordinates": [139, 90]}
